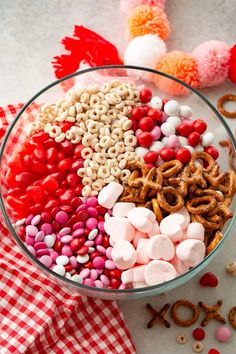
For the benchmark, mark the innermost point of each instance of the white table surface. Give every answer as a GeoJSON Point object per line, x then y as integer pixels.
{"type": "Point", "coordinates": [30, 32]}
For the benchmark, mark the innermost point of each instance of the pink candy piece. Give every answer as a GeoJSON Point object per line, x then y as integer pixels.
{"type": "Point", "coordinates": [108, 196]}
{"type": "Point", "coordinates": [223, 334]}
{"type": "Point", "coordinates": [31, 230]}
{"type": "Point", "coordinates": [155, 229]}
{"type": "Point", "coordinates": [65, 231]}
{"type": "Point", "coordinates": [156, 132]}
{"type": "Point", "coordinates": [142, 251]}
{"type": "Point", "coordinates": [39, 245]}
{"type": "Point", "coordinates": [46, 260]}
{"type": "Point", "coordinates": [105, 280]}
{"type": "Point", "coordinates": [39, 237]}
{"type": "Point", "coordinates": [92, 202]}
{"type": "Point", "coordinates": [101, 226]}
{"type": "Point", "coordinates": [73, 261]}
{"type": "Point", "coordinates": [66, 239]}
{"type": "Point", "coordinates": [98, 284]}
{"type": "Point", "coordinates": [31, 250]}
{"type": "Point", "coordinates": [84, 273]}
{"type": "Point", "coordinates": [36, 219]}
{"type": "Point", "coordinates": [101, 249]}
{"type": "Point", "coordinates": [66, 251]}
{"type": "Point", "coordinates": [108, 253]}
{"type": "Point", "coordinates": [138, 273]}
{"type": "Point", "coordinates": [88, 282]}
{"type": "Point", "coordinates": [54, 256]}
{"type": "Point", "coordinates": [173, 141]}
{"type": "Point", "coordinates": [89, 243]}
{"type": "Point", "coordinates": [180, 267]}
{"type": "Point", "coordinates": [122, 287]}
{"type": "Point", "coordinates": [78, 225]}
{"type": "Point", "coordinates": [92, 212]}
{"type": "Point", "coordinates": [119, 229]}
{"type": "Point", "coordinates": [29, 240]}
{"type": "Point", "coordinates": [137, 236]}
{"type": "Point", "coordinates": [78, 233]}
{"type": "Point", "coordinates": [93, 274]}
{"type": "Point", "coordinates": [157, 272]}
{"type": "Point", "coordinates": [98, 239]}
{"type": "Point", "coordinates": [122, 209]}
{"type": "Point", "coordinates": [161, 247]}
{"type": "Point", "coordinates": [91, 223]}
{"type": "Point", "coordinates": [98, 262]}
{"type": "Point", "coordinates": [191, 252]}
{"type": "Point", "coordinates": [124, 255]}
{"type": "Point", "coordinates": [42, 252]}
{"type": "Point", "coordinates": [46, 228]}
{"type": "Point", "coordinates": [138, 131]}
{"type": "Point", "coordinates": [110, 264]}
{"type": "Point", "coordinates": [29, 219]}
{"type": "Point", "coordinates": [195, 230]}
{"type": "Point", "coordinates": [81, 207]}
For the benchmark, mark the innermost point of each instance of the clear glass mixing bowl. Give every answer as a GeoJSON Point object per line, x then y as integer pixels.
{"type": "Point", "coordinates": [202, 108]}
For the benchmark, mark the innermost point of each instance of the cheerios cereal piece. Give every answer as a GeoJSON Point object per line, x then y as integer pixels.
{"type": "Point", "coordinates": [94, 165]}
{"type": "Point", "coordinates": [91, 173]}
{"type": "Point", "coordinates": [106, 141]}
{"type": "Point", "coordinates": [87, 181]}
{"type": "Point", "coordinates": [112, 152]}
{"type": "Point", "coordinates": [72, 111]}
{"type": "Point", "coordinates": [127, 124]}
{"type": "Point", "coordinates": [94, 141]}
{"type": "Point", "coordinates": [112, 113]}
{"type": "Point", "coordinates": [97, 185]}
{"type": "Point", "coordinates": [181, 338]}
{"type": "Point", "coordinates": [78, 108]}
{"type": "Point", "coordinates": [125, 175]}
{"type": "Point", "coordinates": [85, 97]}
{"type": "Point", "coordinates": [86, 163]}
{"type": "Point", "coordinates": [100, 109]}
{"type": "Point", "coordinates": [54, 131]}
{"type": "Point", "coordinates": [198, 347]}
{"type": "Point", "coordinates": [87, 139]}
{"type": "Point", "coordinates": [86, 191]}
{"type": "Point", "coordinates": [115, 83]}
{"type": "Point", "coordinates": [110, 179]}
{"type": "Point", "coordinates": [120, 147]}
{"type": "Point", "coordinates": [87, 153]}
{"type": "Point", "coordinates": [94, 100]}
{"type": "Point", "coordinates": [122, 164]}
{"type": "Point", "coordinates": [117, 134]}
{"type": "Point", "coordinates": [81, 172]}
{"type": "Point", "coordinates": [103, 172]}
{"type": "Point", "coordinates": [76, 140]}
{"type": "Point", "coordinates": [115, 171]}
{"type": "Point", "coordinates": [93, 193]}
{"type": "Point", "coordinates": [120, 157]}
{"type": "Point", "coordinates": [105, 119]}
{"type": "Point", "coordinates": [69, 135]}
{"type": "Point", "coordinates": [130, 140]}
{"type": "Point", "coordinates": [120, 105]}
{"type": "Point", "coordinates": [92, 89]}
{"type": "Point", "coordinates": [106, 87]}
{"type": "Point", "coordinates": [122, 90]}
{"type": "Point", "coordinates": [100, 158]}
{"type": "Point", "coordinates": [60, 138]}
{"type": "Point", "coordinates": [92, 126]}
{"type": "Point", "coordinates": [128, 132]}
{"type": "Point", "coordinates": [81, 117]}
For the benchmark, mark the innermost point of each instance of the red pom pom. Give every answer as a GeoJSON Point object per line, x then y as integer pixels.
{"type": "Point", "coordinates": [232, 64]}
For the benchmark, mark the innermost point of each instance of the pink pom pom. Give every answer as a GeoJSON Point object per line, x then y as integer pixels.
{"type": "Point", "coordinates": [212, 59]}
{"type": "Point", "coordinates": [128, 5]}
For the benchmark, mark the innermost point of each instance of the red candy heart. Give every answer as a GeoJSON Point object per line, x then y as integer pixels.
{"type": "Point", "coordinates": [209, 279]}
{"type": "Point", "coordinates": [198, 334]}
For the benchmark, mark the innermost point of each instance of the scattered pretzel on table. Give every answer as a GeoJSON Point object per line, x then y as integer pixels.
{"type": "Point", "coordinates": [212, 313]}
{"type": "Point", "coordinates": [221, 102]}
{"type": "Point", "coordinates": [158, 316]}
{"type": "Point", "coordinates": [190, 321]}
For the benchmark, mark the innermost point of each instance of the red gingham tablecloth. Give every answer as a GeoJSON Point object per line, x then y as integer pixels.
{"type": "Point", "coordinates": [38, 316]}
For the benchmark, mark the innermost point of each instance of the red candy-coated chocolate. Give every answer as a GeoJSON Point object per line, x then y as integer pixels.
{"type": "Point", "coordinates": [83, 250]}
{"type": "Point", "coordinates": [209, 279]}
{"type": "Point", "coordinates": [145, 139]}
{"type": "Point", "coordinates": [115, 273]}
{"type": "Point", "coordinates": [145, 95]}
{"type": "Point", "coordinates": [78, 150]}
{"type": "Point", "coordinates": [134, 125]}
{"type": "Point", "coordinates": [194, 139]}
{"type": "Point", "coordinates": [211, 150]}
{"type": "Point", "coordinates": [137, 113]}
{"type": "Point", "coordinates": [185, 129]}
{"type": "Point", "coordinates": [199, 126]}
{"type": "Point", "coordinates": [114, 283]}
{"type": "Point", "coordinates": [50, 183]}
{"type": "Point", "coordinates": [146, 124]}
{"type": "Point", "coordinates": [167, 154]}
{"type": "Point", "coordinates": [198, 334]}
{"type": "Point", "coordinates": [213, 351]}
{"type": "Point", "coordinates": [183, 155]}
{"type": "Point", "coordinates": [146, 109]}
{"type": "Point", "coordinates": [151, 157]}
{"type": "Point", "coordinates": [64, 165]}
{"type": "Point", "coordinates": [83, 215]}
{"type": "Point", "coordinates": [76, 244]}
{"type": "Point", "coordinates": [155, 115]}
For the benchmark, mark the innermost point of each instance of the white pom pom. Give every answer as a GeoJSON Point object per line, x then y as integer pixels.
{"type": "Point", "coordinates": [145, 51]}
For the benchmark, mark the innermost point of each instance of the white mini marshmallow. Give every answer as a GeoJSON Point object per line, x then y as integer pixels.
{"type": "Point", "coordinates": [122, 209]}
{"type": "Point", "coordinates": [109, 194]}
{"type": "Point", "coordinates": [195, 230]}
{"type": "Point", "coordinates": [185, 111]}
{"type": "Point", "coordinates": [137, 285]}
{"type": "Point", "coordinates": [138, 273]}
{"type": "Point", "coordinates": [124, 255]}
{"type": "Point", "coordinates": [127, 276]}
{"type": "Point", "coordinates": [191, 252]}
{"type": "Point", "coordinates": [157, 272]}
{"type": "Point", "coordinates": [161, 247]}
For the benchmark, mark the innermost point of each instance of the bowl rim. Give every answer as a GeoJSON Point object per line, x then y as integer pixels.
{"type": "Point", "coordinates": [80, 286]}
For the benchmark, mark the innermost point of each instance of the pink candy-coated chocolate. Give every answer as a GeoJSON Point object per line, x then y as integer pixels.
{"type": "Point", "coordinates": [93, 274]}
{"type": "Point", "coordinates": [101, 249]}
{"type": "Point", "coordinates": [92, 202]}
{"type": "Point", "coordinates": [42, 252]}
{"type": "Point", "coordinates": [66, 239]}
{"type": "Point", "coordinates": [98, 239]}
{"type": "Point", "coordinates": [29, 219]}
{"type": "Point", "coordinates": [101, 226]}
{"type": "Point", "coordinates": [173, 141]}
{"type": "Point", "coordinates": [99, 271]}
{"type": "Point", "coordinates": [92, 223]}
{"type": "Point", "coordinates": [93, 212]}
{"type": "Point", "coordinates": [54, 256]}
{"type": "Point", "coordinates": [65, 231]}
{"type": "Point", "coordinates": [105, 280]}
{"type": "Point", "coordinates": [81, 207]}
{"type": "Point", "coordinates": [98, 262]}
{"type": "Point", "coordinates": [66, 251]}
{"type": "Point", "coordinates": [78, 233]}
{"type": "Point", "coordinates": [98, 284]}
{"type": "Point", "coordinates": [39, 245]}
{"type": "Point", "coordinates": [156, 132]}
{"type": "Point", "coordinates": [88, 282]}
{"type": "Point", "coordinates": [89, 243]}
{"type": "Point", "coordinates": [61, 217]}
{"type": "Point", "coordinates": [78, 225]}
{"type": "Point", "coordinates": [46, 228]}
{"type": "Point", "coordinates": [223, 334]}
{"type": "Point", "coordinates": [108, 253]}
{"type": "Point", "coordinates": [31, 250]}
{"type": "Point", "coordinates": [85, 273]}
{"type": "Point", "coordinates": [138, 131]}
{"type": "Point", "coordinates": [46, 260]}
{"type": "Point", "coordinates": [110, 264]}
{"type": "Point", "coordinates": [36, 219]}
{"type": "Point", "coordinates": [73, 261]}
{"type": "Point", "coordinates": [39, 237]}
{"type": "Point", "coordinates": [31, 230]}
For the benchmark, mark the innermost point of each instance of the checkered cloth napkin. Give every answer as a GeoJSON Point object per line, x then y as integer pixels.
{"type": "Point", "coordinates": [39, 316]}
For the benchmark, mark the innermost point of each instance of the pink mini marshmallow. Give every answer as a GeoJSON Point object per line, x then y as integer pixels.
{"type": "Point", "coordinates": [137, 285]}
{"type": "Point", "coordinates": [183, 211]}
{"type": "Point", "coordinates": [127, 276]}
{"type": "Point", "coordinates": [155, 229]}
{"type": "Point", "coordinates": [122, 209]}
{"type": "Point", "coordinates": [138, 273]}
{"type": "Point", "coordinates": [195, 230]}
{"type": "Point", "coordinates": [141, 218]}
{"type": "Point", "coordinates": [161, 247]}
{"type": "Point", "coordinates": [172, 230]}
{"type": "Point", "coordinates": [173, 141]}
{"type": "Point", "coordinates": [137, 236]}
{"type": "Point", "coordinates": [157, 272]}
{"type": "Point", "coordinates": [108, 196]}
{"type": "Point", "coordinates": [180, 267]}
{"type": "Point", "coordinates": [119, 229]}
{"type": "Point", "coordinates": [191, 252]}
{"type": "Point", "coordinates": [142, 251]}
{"type": "Point", "coordinates": [124, 255]}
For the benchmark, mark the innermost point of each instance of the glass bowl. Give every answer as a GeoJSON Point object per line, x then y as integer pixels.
{"type": "Point", "coordinates": [202, 108]}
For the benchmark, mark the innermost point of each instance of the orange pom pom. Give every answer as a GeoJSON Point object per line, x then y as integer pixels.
{"type": "Point", "coordinates": [180, 65]}
{"type": "Point", "coordinates": [146, 19]}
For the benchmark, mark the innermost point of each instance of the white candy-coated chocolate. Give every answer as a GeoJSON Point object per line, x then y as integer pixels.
{"type": "Point", "coordinates": [142, 251]}
{"type": "Point", "coordinates": [171, 108]}
{"type": "Point", "coordinates": [157, 272]}
{"type": "Point", "coordinates": [161, 247]}
{"type": "Point", "coordinates": [185, 111]}
{"type": "Point", "coordinates": [119, 228]}
{"type": "Point", "coordinates": [124, 255]}
{"type": "Point", "coordinates": [174, 121]}
{"type": "Point", "coordinates": [108, 196]}
{"type": "Point", "coordinates": [122, 209]}
{"type": "Point", "coordinates": [141, 151]}
{"type": "Point", "coordinates": [167, 129]}
{"type": "Point", "coordinates": [182, 141]}
{"type": "Point", "coordinates": [157, 146]}
{"type": "Point", "coordinates": [207, 139]}
{"type": "Point", "coordinates": [191, 252]}
{"type": "Point", "coordinates": [195, 230]}
{"type": "Point", "coordinates": [156, 102]}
